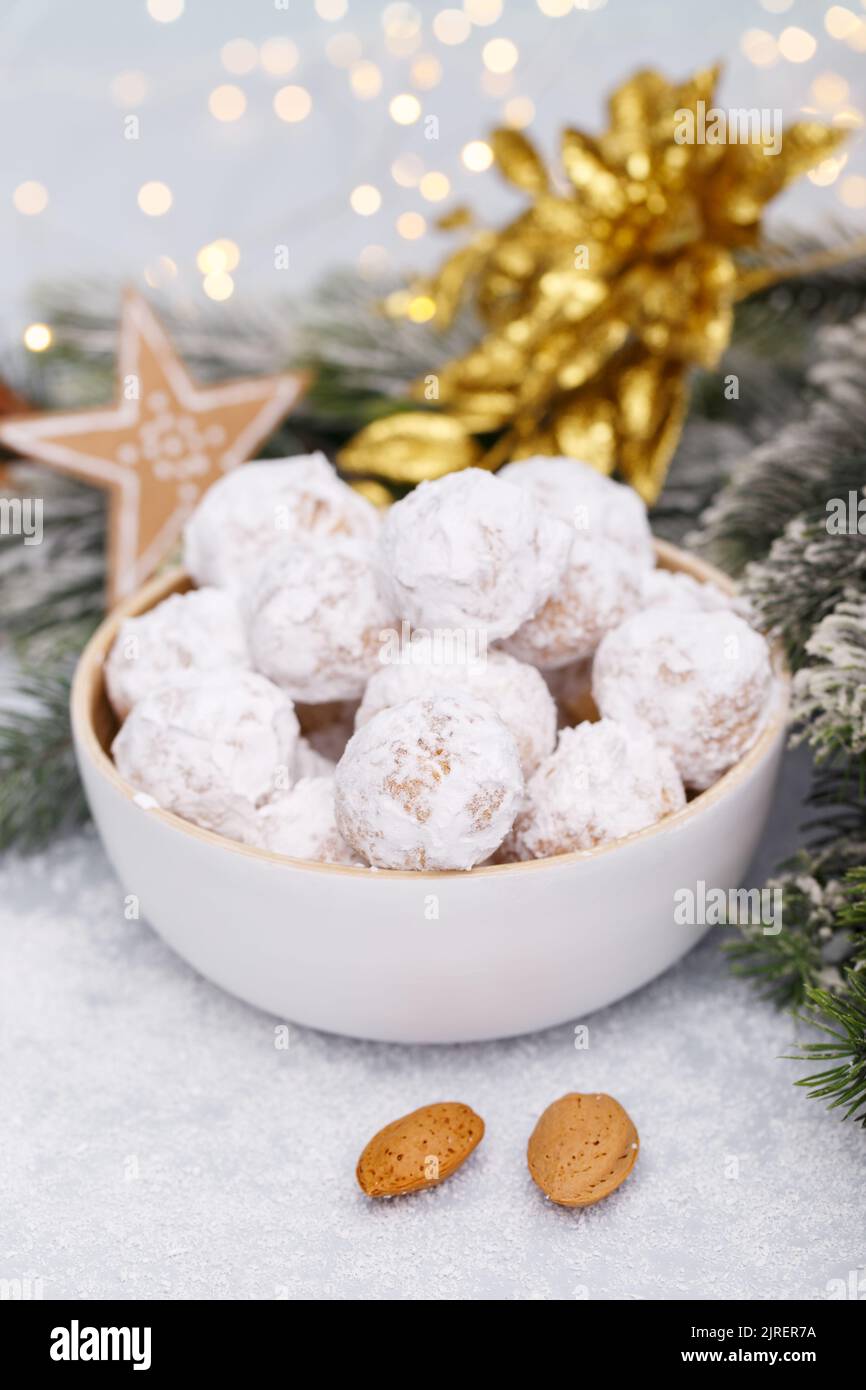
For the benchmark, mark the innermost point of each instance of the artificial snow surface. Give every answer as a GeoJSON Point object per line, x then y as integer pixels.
{"type": "Point", "coordinates": [157, 1144]}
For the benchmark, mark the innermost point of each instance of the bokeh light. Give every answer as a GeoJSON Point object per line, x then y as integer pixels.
{"type": "Point", "coordinates": [477, 156]}
{"type": "Point", "coordinates": [840, 22]}
{"type": "Point", "coordinates": [434, 186]}
{"type": "Point", "coordinates": [218, 285]}
{"type": "Point", "coordinates": [407, 170]}
{"type": "Point", "coordinates": [366, 80]}
{"type": "Point", "coordinates": [499, 55]}
{"type": "Point", "coordinates": [451, 26]}
{"type": "Point", "coordinates": [759, 47]}
{"type": "Point", "coordinates": [519, 112]}
{"type": "Point", "coordinates": [239, 56]}
{"type": "Point", "coordinates": [484, 12]}
{"type": "Point", "coordinates": [411, 225]}
{"type": "Point", "coordinates": [405, 109]}
{"type": "Point", "coordinates": [365, 199]}
{"type": "Point", "coordinates": [165, 11]}
{"type": "Point", "coordinates": [797, 45]}
{"type": "Point", "coordinates": [30, 198]}
{"type": "Point", "coordinates": [227, 103]}
{"type": "Point", "coordinates": [37, 337]}
{"type": "Point", "coordinates": [293, 104]}
{"type": "Point", "coordinates": [331, 10]}
{"type": "Point", "coordinates": [426, 72]}
{"type": "Point", "coordinates": [278, 56]}
{"type": "Point", "coordinates": [128, 88]}
{"type": "Point", "coordinates": [155, 198]}
{"type": "Point", "coordinates": [343, 50]}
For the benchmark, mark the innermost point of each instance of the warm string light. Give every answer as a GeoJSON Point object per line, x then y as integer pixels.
{"type": "Point", "coordinates": [451, 26]}
{"type": "Point", "coordinates": [797, 45]}
{"type": "Point", "coordinates": [128, 88]}
{"type": "Point", "coordinates": [365, 80]}
{"type": "Point", "coordinates": [165, 11]}
{"type": "Point", "coordinates": [343, 50]}
{"type": "Point", "coordinates": [227, 103]}
{"type": "Point", "coordinates": [37, 337]}
{"type": "Point", "coordinates": [279, 57]}
{"type": "Point", "coordinates": [155, 198]}
{"type": "Point", "coordinates": [476, 156]}
{"type": "Point", "coordinates": [499, 55]}
{"type": "Point", "coordinates": [365, 199]}
{"type": "Point", "coordinates": [216, 260]}
{"type": "Point", "coordinates": [30, 198]}
{"type": "Point", "coordinates": [426, 72]}
{"type": "Point", "coordinates": [405, 109]}
{"type": "Point", "coordinates": [293, 104]}
{"type": "Point", "coordinates": [411, 225]}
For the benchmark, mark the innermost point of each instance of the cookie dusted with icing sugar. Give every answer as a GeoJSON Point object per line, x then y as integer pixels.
{"type": "Point", "coordinates": [469, 551]}
{"type": "Point", "coordinates": [434, 783]}
{"type": "Point", "coordinates": [516, 692]}
{"type": "Point", "coordinates": [182, 637]}
{"type": "Point", "coordinates": [598, 589]}
{"type": "Point", "coordinates": [666, 589]}
{"type": "Point", "coordinates": [700, 681]}
{"type": "Point", "coordinates": [269, 505]}
{"type": "Point", "coordinates": [596, 506]}
{"type": "Point", "coordinates": [315, 618]}
{"type": "Point", "coordinates": [605, 781]}
{"type": "Point", "coordinates": [212, 751]}
{"type": "Point", "coordinates": [301, 824]}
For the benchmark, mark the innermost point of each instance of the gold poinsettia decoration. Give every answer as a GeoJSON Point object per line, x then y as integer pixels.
{"type": "Point", "coordinates": [596, 301]}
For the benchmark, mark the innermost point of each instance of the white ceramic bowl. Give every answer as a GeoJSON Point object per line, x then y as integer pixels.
{"type": "Point", "coordinates": [424, 957]}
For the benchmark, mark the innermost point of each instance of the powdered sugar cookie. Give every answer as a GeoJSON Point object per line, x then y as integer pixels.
{"type": "Point", "coordinates": [315, 618]}
{"type": "Point", "coordinates": [300, 824]}
{"type": "Point", "coordinates": [266, 506]}
{"type": "Point", "coordinates": [699, 680]}
{"type": "Point", "coordinates": [599, 587]}
{"type": "Point", "coordinates": [604, 781]}
{"type": "Point", "coordinates": [516, 692]}
{"type": "Point", "coordinates": [470, 552]}
{"type": "Point", "coordinates": [211, 751]}
{"type": "Point", "coordinates": [183, 636]}
{"type": "Point", "coordinates": [431, 784]}
{"type": "Point", "coordinates": [597, 507]}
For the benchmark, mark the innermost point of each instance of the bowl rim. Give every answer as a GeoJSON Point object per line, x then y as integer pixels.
{"type": "Point", "coordinates": [88, 683]}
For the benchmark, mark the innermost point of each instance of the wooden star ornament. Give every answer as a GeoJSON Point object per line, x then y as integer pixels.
{"type": "Point", "coordinates": [159, 447]}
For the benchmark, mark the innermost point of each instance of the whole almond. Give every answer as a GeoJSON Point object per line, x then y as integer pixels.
{"type": "Point", "coordinates": [419, 1150]}
{"type": "Point", "coordinates": [582, 1148]}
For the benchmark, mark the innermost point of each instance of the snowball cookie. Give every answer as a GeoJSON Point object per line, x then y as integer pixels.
{"type": "Point", "coordinates": [315, 618]}
{"type": "Point", "coordinates": [309, 762]}
{"type": "Point", "coordinates": [596, 506]}
{"type": "Point", "coordinates": [669, 589]}
{"type": "Point", "coordinates": [516, 692]}
{"type": "Point", "coordinates": [264, 506]}
{"type": "Point", "coordinates": [211, 751]}
{"type": "Point", "coordinates": [184, 635]}
{"type": "Point", "coordinates": [605, 780]}
{"type": "Point", "coordinates": [300, 823]}
{"type": "Point", "coordinates": [700, 681]}
{"type": "Point", "coordinates": [470, 552]}
{"type": "Point", "coordinates": [598, 589]}
{"type": "Point", "coordinates": [431, 784]}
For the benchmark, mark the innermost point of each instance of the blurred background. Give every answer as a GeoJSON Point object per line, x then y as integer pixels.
{"type": "Point", "coordinates": [184, 144]}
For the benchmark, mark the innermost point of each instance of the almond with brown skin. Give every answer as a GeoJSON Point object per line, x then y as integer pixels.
{"type": "Point", "coordinates": [419, 1150]}
{"type": "Point", "coordinates": [582, 1148]}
